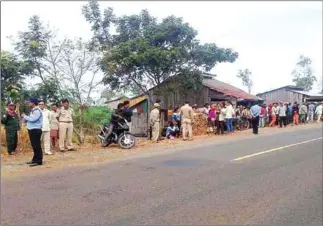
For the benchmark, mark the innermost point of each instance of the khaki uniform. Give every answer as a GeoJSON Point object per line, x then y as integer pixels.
{"type": "Point", "coordinates": [65, 118]}
{"type": "Point", "coordinates": [154, 121]}
{"type": "Point", "coordinates": [187, 118]}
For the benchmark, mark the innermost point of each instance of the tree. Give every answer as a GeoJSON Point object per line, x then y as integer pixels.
{"type": "Point", "coordinates": [32, 45]}
{"type": "Point", "coordinates": [303, 73]}
{"type": "Point", "coordinates": [13, 72]}
{"type": "Point", "coordinates": [144, 53]}
{"type": "Point", "coordinates": [246, 77]}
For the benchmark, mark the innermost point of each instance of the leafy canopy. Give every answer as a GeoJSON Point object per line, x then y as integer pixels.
{"type": "Point", "coordinates": [303, 73]}
{"type": "Point", "coordinates": [246, 77]}
{"type": "Point", "coordinates": [143, 52]}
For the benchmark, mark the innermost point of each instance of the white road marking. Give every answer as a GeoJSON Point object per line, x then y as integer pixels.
{"type": "Point", "coordinates": [275, 149]}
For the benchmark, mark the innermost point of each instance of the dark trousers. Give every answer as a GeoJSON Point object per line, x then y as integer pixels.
{"type": "Point", "coordinates": [282, 120]}
{"type": "Point", "coordinates": [219, 127]}
{"type": "Point", "coordinates": [12, 140]}
{"type": "Point", "coordinates": [179, 125]}
{"type": "Point", "coordinates": [35, 140]}
{"type": "Point", "coordinates": [255, 124]}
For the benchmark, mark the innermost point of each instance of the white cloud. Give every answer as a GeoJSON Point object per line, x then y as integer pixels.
{"type": "Point", "coordinates": [269, 36]}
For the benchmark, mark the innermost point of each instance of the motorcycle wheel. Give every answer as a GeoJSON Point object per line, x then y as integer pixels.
{"type": "Point", "coordinates": [127, 141]}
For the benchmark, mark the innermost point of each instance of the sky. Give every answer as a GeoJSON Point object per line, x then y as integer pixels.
{"type": "Point", "coordinates": [269, 36]}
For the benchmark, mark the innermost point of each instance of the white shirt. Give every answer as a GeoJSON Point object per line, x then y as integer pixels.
{"type": "Point", "coordinates": [46, 120]}
{"type": "Point", "coordinates": [229, 112]}
{"type": "Point", "coordinates": [274, 110]}
{"type": "Point", "coordinates": [319, 109]}
{"type": "Point", "coordinates": [222, 114]}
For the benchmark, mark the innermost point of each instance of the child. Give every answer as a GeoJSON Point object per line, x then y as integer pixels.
{"type": "Point", "coordinates": [171, 130]}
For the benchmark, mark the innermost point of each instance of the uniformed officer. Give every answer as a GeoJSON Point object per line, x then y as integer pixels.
{"type": "Point", "coordinates": [154, 120]}
{"type": "Point", "coordinates": [187, 118]}
{"type": "Point", "coordinates": [65, 118]}
{"type": "Point", "coordinates": [11, 122]}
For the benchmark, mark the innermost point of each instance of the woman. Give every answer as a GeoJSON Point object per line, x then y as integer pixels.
{"type": "Point", "coordinates": [229, 117]}
{"type": "Point", "coordinates": [274, 111]}
{"type": "Point", "coordinates": [221, 111]}
{"type": "Point", "coordinates": [211, 119]}
{"type": "Point", "coordinates": [177, 118]}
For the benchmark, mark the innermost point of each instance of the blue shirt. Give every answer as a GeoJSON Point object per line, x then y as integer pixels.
{"type": "Point", "coordinates": [255, 110]}
{"type": "Point", "coordinates": [177, 117]}
{"type": "Point", "coordinates": [171, 129]}
{"type": "Point", "coordinates": [35, 119]}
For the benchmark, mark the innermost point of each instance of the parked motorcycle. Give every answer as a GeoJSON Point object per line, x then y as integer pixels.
{"type": "Point", "coordinates": [120, 135]}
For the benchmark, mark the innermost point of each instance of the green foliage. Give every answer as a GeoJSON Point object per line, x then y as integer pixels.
{"type": "Point", "coordinates": [145, 53]}
{"type": "Point", "coordinates": [13, 71]}
{"type": "Point", "coordinates": [246, 77]}
{"type": "Point", "coordinates": [92, 117]}
{"type": "Point", "coordinates": [303, 74]}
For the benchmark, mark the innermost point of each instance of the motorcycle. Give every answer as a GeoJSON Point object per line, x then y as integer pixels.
{"type": "Point", "coordinates": [120, 135]}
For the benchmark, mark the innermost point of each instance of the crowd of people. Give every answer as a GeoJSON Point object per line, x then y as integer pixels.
{"type": "Point", "coordinates": [54, 127]}
{"type": "Point", "coordinates": [223, 117]}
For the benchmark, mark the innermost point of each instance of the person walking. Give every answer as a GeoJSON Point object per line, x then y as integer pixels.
{"type": "Point", "coordinates": [46, 127]}
{"type": "Point", "coordinates": [303, 113]}
{"type": "Point", "coordinates": [154, 120]}
{"type": "Point", "coordinates": [34, 125]}
{"type": "Point", "coordinates": [282, 115]}
{"type": "Point", "coordinates": [65, 119]}
{"type": "Point", "coordinates": [187, 120]}
{"type": "Point", "coordinates": [54, 125]}
{"type": "Point", "coordinates": [10, 120]}
{"type": "Point", "coordinates": [255, 111]}
{"type": "Point", "coordinates": [310, 115]}
{"type": "Point", "coordinates": [229, 117]}
{"type": "Point", "coordinates": [318, 112]}
{"type": "Point", "coordinates": [274, 112]}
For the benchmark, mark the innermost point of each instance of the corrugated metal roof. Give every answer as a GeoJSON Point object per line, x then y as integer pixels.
{"type": "Point", "coordinates": [136, 100]}
{"type": "Point", "coordinates": [283, 87]}
{"type": "Point", "coordinates": [228, 89]}
{"type": "Point", "coordinates": [307, 93]}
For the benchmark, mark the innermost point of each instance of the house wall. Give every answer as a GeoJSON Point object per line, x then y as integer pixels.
{"type": "Point", "coordinates": [139, 124]}
{"type": "Point", "coordinates": [177, 99]}
{"type": "Point", "coordinates": [282, 95]}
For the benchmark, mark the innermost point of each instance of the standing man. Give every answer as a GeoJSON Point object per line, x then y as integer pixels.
{"type": "Point", "coordinates": [46, 126]}
{"type": "Point", "coordinates": [311, 109]}
{"type": "Point", "coordinates": [262, 119]}
{"type": "Point", "coordinates": [255, 111]}
{"type": "Point", "coordinates": [187, 120]}
{"type": "Point", "coordinates": [11, 122]}
{"type": "Point", "coordinates": [34, 125]}
{"type": "Point", "coordinates": [319, 111]}
{"type": "Point", "coordinates": [154, 121]}
{"type": "Point", "coordinates": [65, 119]}
{"type": "Point", "coordinates": [229, 117]}
{"type": "Point", "coordinates": [54, 126]}
{"type": "Point", "coordinates": [282, 115]}
{"type": "Point", "coordinates": [303, 113]}
{"type": "Point", "coordinates": [127, 113]}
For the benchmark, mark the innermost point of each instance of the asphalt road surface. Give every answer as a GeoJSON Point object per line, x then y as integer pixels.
{"type": "Point", "coordinates": [205, 185]}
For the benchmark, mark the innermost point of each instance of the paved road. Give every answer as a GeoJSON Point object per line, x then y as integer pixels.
{"type": "Point", "coordinates": [198, 186]}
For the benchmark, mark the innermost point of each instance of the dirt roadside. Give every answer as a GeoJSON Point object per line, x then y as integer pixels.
{"type": "Point", "coordinates": [12, 166]}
